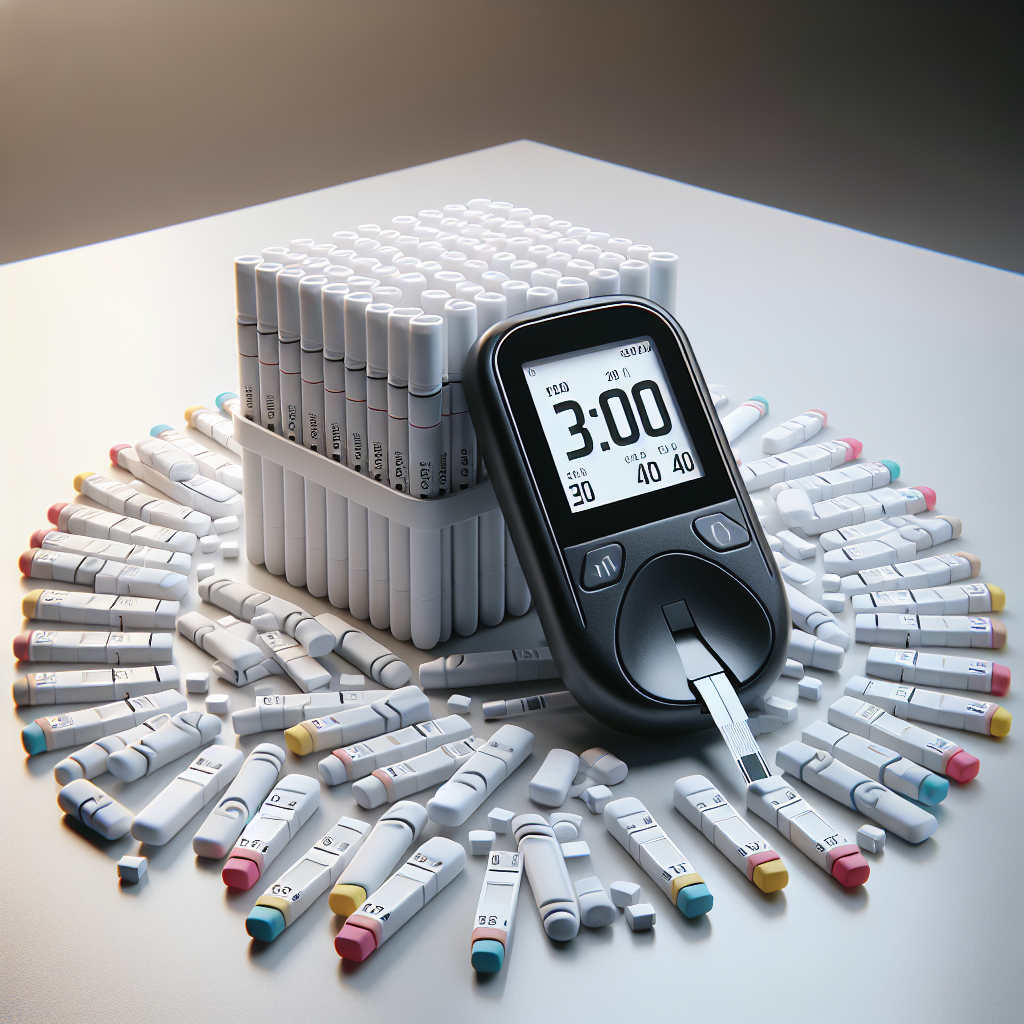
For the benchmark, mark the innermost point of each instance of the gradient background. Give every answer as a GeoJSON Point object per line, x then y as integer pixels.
{"type": "Point", "coordinates": [901, 119]}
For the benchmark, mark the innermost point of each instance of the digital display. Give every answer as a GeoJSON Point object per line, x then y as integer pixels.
{"type": "Point", "coordinates": [612, 423]}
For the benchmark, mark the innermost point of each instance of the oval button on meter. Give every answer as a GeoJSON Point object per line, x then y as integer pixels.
{"type": "Point", "coordinates": [720, 532]}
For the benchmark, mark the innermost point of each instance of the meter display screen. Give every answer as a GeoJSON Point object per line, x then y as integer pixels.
{"type": "Point", "coordinates": [612, 423]}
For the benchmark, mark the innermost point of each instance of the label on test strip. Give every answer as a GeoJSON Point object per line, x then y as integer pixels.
{"type": "Point", "coordinates": [906, 666]}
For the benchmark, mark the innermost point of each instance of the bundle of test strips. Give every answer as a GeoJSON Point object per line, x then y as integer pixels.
{"type": "Point", "coordinates": [353, 350]}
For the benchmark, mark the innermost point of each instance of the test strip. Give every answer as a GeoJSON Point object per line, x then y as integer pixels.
{"type": "Point", "coordinates": [81, 687]}
{"type": "Point", "coordinates": [373, 659]}
{"type": "Point", "coordinates": [77, 728]}
{"type": "Point", "coordinates": [283, 710]}
{"type": "Point", "coordinates": [91, 761]}
{"type": "Point", "coordinates": [800, 462]}
{"type": "Point", "coordinates": [488, 668]}
{"type": "Point", "coordinates": [94, 647]}
{"type": "Point", "coordinates": [215, 467]}
{"type": "Point", "coordinates": [397, 710]}
{"type": "Point", "coordinates": [480, 776]}
{"type": "Point", "coordinates": [95, 522]}
{"type": "Point", "coordinates": [306, 880]}
{"type": "Point", "coordinates": [406, 892]}
{"type": "Point", "coordinates": [252, 784]}
{"type": "Point", "coordinates": [306, 672]}
{"type": "Point", "coordinates": [382, 849]}
{"type": "Point", "coordinates": [216, 426]}
{"type": "Point", "coordinates": [879, 763]}
{"type": "Point", "coordinates": [939, 670]}
{"type": "Point", "coordinates": [968, 599]}
{"type": "Point", "coordinates": [901, 544]}
{"type": "Point", "coordinates": [403, 779]}
{"type": "Point", "coordinates": [346, 764]}
{"type": "Point", "coordinates": [246, 335]}
{"type": "Point", "coordinates": [704, 807]}
{"type": "Point", "coordinates": [929, 630]}
{"type": "Point", "coordinates": [234, 647]}
{"type": "Point", "coordinates": [924, 572]}
{"type": "Point", "coordinates": [848, 479]}
{"type": "Point", "coordinates": [128, 501]}
{"type": "Point", "coordinates": [636, 831]}
{"type": "Point", "coordinates": [105, 577]}
{"type": "Point", "coordinates": [545, 867]}
{"type": "Point", "coordinates": [855, 790]}
{"type": "Point", "coordinates": [92, 807]}
{"type": "Point", "coordinates": [177, 736]}
{"type": "Point", "coordinates": [282, 814]}
{"type": "Point", "coordinates": [515, 706]}
{"type": "Point", "coordinates": [186, 795]}
{"type": "Point", "coordinates": [93, 547]}
{"type": "Point", "coordinates": [947, 710]}
{"type": "Point", "coordinates": [495, 917]}
{"type": "Point", "coordinates": [793, 432]}
{"type": "Point", "coordinates": [99, 610]}
{"type": "Point", "coordinates": [926, 748]}
{"type": "Point", "coordinates": [795, 508]}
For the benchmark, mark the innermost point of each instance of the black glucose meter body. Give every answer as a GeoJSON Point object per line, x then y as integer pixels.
{"type": "Point", "coordinates": [645, 559]}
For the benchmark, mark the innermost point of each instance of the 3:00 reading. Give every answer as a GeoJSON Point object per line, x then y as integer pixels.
{"type": "Point", "coordinates": [612, 423]}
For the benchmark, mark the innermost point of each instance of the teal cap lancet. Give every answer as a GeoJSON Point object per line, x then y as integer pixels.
{"type": "Point", "coordinates": [488, 956]}
{"type": "Point", "coordinates": [33, 738]}
{"type": "Point", "coordinates": [694, 900]}
{"type": "Point", "coordinates": [159, 429]}
{"type": "Point", "coordinates": [763, 401]}
{"type": "Point", "coordinates": [933, 790]}
{"type": "Point", "coordinates": [264, 923]}
{"type": "Point", "coordinates": [222, 398]}
{"type": "Point", "coordinates": [893, 467]}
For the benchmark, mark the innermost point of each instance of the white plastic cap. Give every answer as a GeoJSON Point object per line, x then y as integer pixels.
{"type": "Point", "coordinates": [515, 296]}
{"type": "Point", "coordinates": [536, 298]}
{"type": "Point", "coordinates": [569, 288]}
{"type": "Point", "coordinates": [491, 308]}
{"type": "Point", "coordinates": [332, 301]}
{"type": "Point", "coordinates": [311, 316]}
{"type": "Point", "coordinates": [603, 281]}
{"type": "Point", "coordinates": [399, 319]}
{"type": "Point", "coordinates": [462, 332]}
{"type": "Point", "coordinates": [425, 354]}
{"type": "Point", "coordinates": [245, 288]}
{"type": "Point", "coordinates": [288, 324]}
{"type": "Point", "coordinates": [356, 303]}
{"type": "Point", "coordinates": [377, 338]}
{"type": "Point", "coordinates": [266, 295]}
{"type": "Point", "coordinates": [635, 278]}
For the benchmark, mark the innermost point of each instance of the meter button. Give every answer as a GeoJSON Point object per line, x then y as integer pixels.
{"type": "Point", "coordinates": [602, 567]}
{"type": "Point", "coordinates": [721, 533]}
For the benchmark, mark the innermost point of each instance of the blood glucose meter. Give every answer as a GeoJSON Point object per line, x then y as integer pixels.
{"type": "Point", "coordinates": [644, 556]}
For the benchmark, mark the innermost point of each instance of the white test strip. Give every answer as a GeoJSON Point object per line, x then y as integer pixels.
{"type": "Point", "coordinates": [76, 728]}
{"type": "Point", "coordinates": [91, 685]}
{"type": "Point", "coordinates": [636, 831]}
{"type": "Point", "coordinates": [495, 918]}
{"type": "Point", "coordinates": [103, 576]}
{"type": "Point", "coordinates": [199, 492]}
{"type": "Point", "coordinates": [97, 522]}
{"type": "Point", "coordinates": [275, 711]}
{"type": "Point", "coordinates": [812, 458]}
{"type": "Point", "coordinates": [186, 795]}
{"type": "Point", "coordinates": [214, 424]}
{"type": "Point", "coordinates": [394, 711]}
{"type": "Point", "coordinates": [849, 479]}
{"type": "Point", "coordinates": [215, 467]}
{"type": "Point", "coordinates": [898, 630]}
{"type": "Point", "coordinates": [545, 867]}
{"type": "Point", "coordinates": [373, 659]}
{"type": "Point", "coordinates": [814, 618]}
{"type": "Point", "coordinates": [901, 544]}
{"type": "Point", "coordinates": [252, 784]}
{"type": "Point", "coordinates": [516, 706]}
{"type": "Point", "coordinates": [91, 761]}
{"type": "Point", "coordinates": [968, 599]}
{"type": "Point", "coordinates": [404, 779]}
{"type": "Point", "coordinates": [935, 570]}
{"type": "Point", "coordinates": [128, 501]}
{"type": "Point", "coordinates": [939, 670]}
{"type": "Point", "coordinates": [550, 786]}
{"type": "Point", "coordinates": [796, 509]}
{"type": "Point", "coordinates": [94, 648]}
{"type": "Point", "coordinates": [306, 880]}
{"type": "Point", "coordinates": [120, 613]}
{"type": "Point", "coordinates": [488, 668]}
{"type": "Point", "coordinates": [480, 776]}
{"type": "Point", "coordinates": [701, 804]}
{"type": "Point", "coordinates": [130, 554]}
{"type": "Point", "coordinates": [234, 647]}
{"type": "Point", "coordinates": [743, 417]}
{"type": "Point", "coordinates": [855, 790]}
{"type": "Point", "coordinates": [282, 814]}
{"type": "Point", "coordinates": [92, 807]}
{"type": "Point", "coordinates": [946, 710]}
{"type": "Point", "coordinates": [346, 764]}
{"type": "Point", "coordinates": [306, 672]}
{"type": "Point", "coordinates": [397, 901]}
{"type": "Point", "coordinates": [794, 432]}
{"type": "Point", "coordinates": [179, 735]}
{"type": "Point", "coordinates": [882, 764]}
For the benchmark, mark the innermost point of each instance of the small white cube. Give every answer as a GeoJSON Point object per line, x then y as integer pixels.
{"type": "Point", "coordinates": [572, 850]}
{"type": "Point", "coordinates": [227, 524]}
{"type": "Point", "coordinates": [831, 583]}
{"type": "Point", "coordinates": [870, 838]}
{"type": "Point", "coordinates": [205, 569]}
{"type": "Point", "coordinates": [209, 543]}
{"type": "Point", "coordinates": [197, 682]}
{"type": "Point", "coordinates": [229, 549]}
{"type": "Point", "coordinates": [217, 704]}
{"type": "Point", "coordinates": [833, 602]}
{"type": "Point", "coordinates": [809, 688]}
{"type": "Point", "coordinates": [262, 690]}
{"type": "Point", "coordinates": [596, 797]}
{"type": "Point", "coordinates": [779, 706]}
{"type": "Point", "coordinates": [625, 894]}
{"type": "Point", "coordinates": [131, 869]}
{"type": "Point", "coordinates": [500, 820]}
{"type": "Point", "coordinates": [640, 917]}
{"type": "Point", "coordinates": [459, 703]}
{"type": "Point", "coordinates": [480, 842]}
{"type": "Point", "coordinates": [566, 826]}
